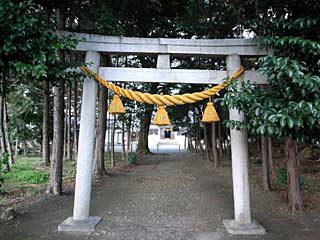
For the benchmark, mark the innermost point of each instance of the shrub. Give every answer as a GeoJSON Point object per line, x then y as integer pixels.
{"type": "Point", "coordinates": [282, 178]}
{"type": "Point", "coordinates": [3, 160]}
{"type": "Point", "coordinates": [1, 184]}
{"type": "Point", "coordinates": [131, 157]}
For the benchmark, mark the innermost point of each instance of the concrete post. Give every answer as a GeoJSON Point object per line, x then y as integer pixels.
{"type": "Point", "coordinates": [163, 61]}
{"type": "Point", "coordinates": [239, 153]}
{"type": "Point", "coordinates": [242, 223]}
{"type": "Point", "coordinates": [81, 220]}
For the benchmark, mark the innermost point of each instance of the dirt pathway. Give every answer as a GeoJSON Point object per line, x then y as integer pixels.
{"type": "Point", "coordinates": [167, 196]}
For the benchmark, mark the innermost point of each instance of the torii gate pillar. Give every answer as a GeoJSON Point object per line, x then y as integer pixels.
{"type": "Point", "coordinates": [242, 223]}
{"type": "Point", "coordinates": [81, 221]}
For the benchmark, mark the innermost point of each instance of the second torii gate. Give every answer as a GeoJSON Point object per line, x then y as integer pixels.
{"type": "Point", "coordinates": [232, 49]}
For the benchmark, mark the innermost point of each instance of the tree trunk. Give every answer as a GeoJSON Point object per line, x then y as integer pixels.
{"type": "Point", "coordinates": [108, 133]}
{"type": "Point", "coordinates": [190, 144]}
{"type": "Point", "coordinates": [24, 147]}
{"type": "Point", "coordinates": [16, 151]}
{"type": "Point", "coordinates": [45, 125]}
{"type": "Point", "coordinates": [270, 161]}
{"type": "Point", "coordinates": [69, 133]}
{"type": "Point", "coordinates": [113, 130]}
{"type": "Point", "coordinates": [206, 140]}
{"type": "Point", "coordinates": [189, 138]}
{"type": "Point", "coordinates": [58, 140]}
{"type": "Point", "coordinates": [220, 141]}
{"type": "Point", "coordinates": [7, 135]}
{"type": "Point", "coordinates": [65, 132]}
{"type": "Point", "coordinates": [144, 132]}
{"type": "Point", "coordinates": [75, 119]}
{"type": "Point", "coordinates": [294, 193]}
{"type": "Point", "coordinates": [6, 166]}
{"type": "Point", "coordinates": [129, 138]}
{"type": "Point", "coordinates": [132, 130]}
{"type": "Point", "coordinates": [264, 159]}
{"type": "Point", "coordinates": [58, 126]}
{"type": "Point", "coordinates": [201, 150]}
{"type": "Point", "coordinates": [297, 157]}
{"type": "Point", "coordinates": [214, 145]}
{"type": "Point", "coordinates": [101, 132]}
{"type": "Point", "coordinates": [122, 139]}
{"type": "Point", "coordinates": [195, 133]}
{"type": "Point", "coordinates": [2, 137]}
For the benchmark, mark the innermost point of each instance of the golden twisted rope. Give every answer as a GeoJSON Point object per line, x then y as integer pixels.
{"type": "Point", "coordinates": [167, 100]}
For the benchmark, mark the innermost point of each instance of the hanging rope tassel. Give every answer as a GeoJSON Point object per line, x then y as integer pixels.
{"type": "Point", "coordinates": [161, 118]}
{"type": "Point", "coordinates": [210, 114]}
{"type": "Point", "coordinates": [116, 106]}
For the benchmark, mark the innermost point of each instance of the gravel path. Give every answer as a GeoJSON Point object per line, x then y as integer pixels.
{"type": "Point", "coordinates": [166, 196]}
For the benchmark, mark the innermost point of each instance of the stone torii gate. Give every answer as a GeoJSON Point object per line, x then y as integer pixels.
{"type": "Point", "coordinates": [232, 49]}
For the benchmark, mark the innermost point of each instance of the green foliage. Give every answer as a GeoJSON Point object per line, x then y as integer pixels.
{"type": "Point", "coordinates": [3, 161]}
{"type": "Point", "coordinates": [25, 114]}
{"type": "Point", "coordinates": [131, 157]}
{"type": "Point", "coordinates": [211, 19]}
{"type": "Point", "coordinates": [30, 53]}
{"type": "Point", "coordinates": [279, 110]}
{"type": "Point", "coordinates": [27, 171]}
{"type": "Point", "coordinates": [28, 176]}
{"type": "Point", "coordinates": [69, 169]}
{"type": "Point", "coordinates": [31, 171]}
{"type": "Point", "coordinates": [290, 104]}
{"type": "Point", "coordinates": [301, 181]}
{"type": "Point", "coordinates": [4, 158]}
{"type": "Point", "coordinates": [282, 178]}
{"type": "Point", "coordinates": [28, 43]}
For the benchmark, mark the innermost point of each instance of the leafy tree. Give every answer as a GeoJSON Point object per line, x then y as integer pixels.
{"type": "Point", "coordinates": [289, 106]}
{"type": "Point", "coordinates": [28, 41]}
{"type": "Point", "coordinates": [31, 53]}
{"type": "Point", "coordinates": [25, 114]}
{"type": "Point", "coordinates": [29, 47]}
{"type": "Point", "coordinates": [210, 19]}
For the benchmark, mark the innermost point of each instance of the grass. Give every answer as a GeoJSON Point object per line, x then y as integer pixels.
{"type": "Point", "coordinates": [69, 169]}
{"type": "Point", "coordinates": [28, 170]}
{"type": "Point", "coordinates": [312, 185]}
{"type": "Point", "coordinates": [29, 177]}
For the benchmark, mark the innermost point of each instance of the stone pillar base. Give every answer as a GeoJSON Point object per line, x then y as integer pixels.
{"type": "Point", "coordinates": [243, 229]}
{"type": "Point", "coordinates": [71, 225]}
